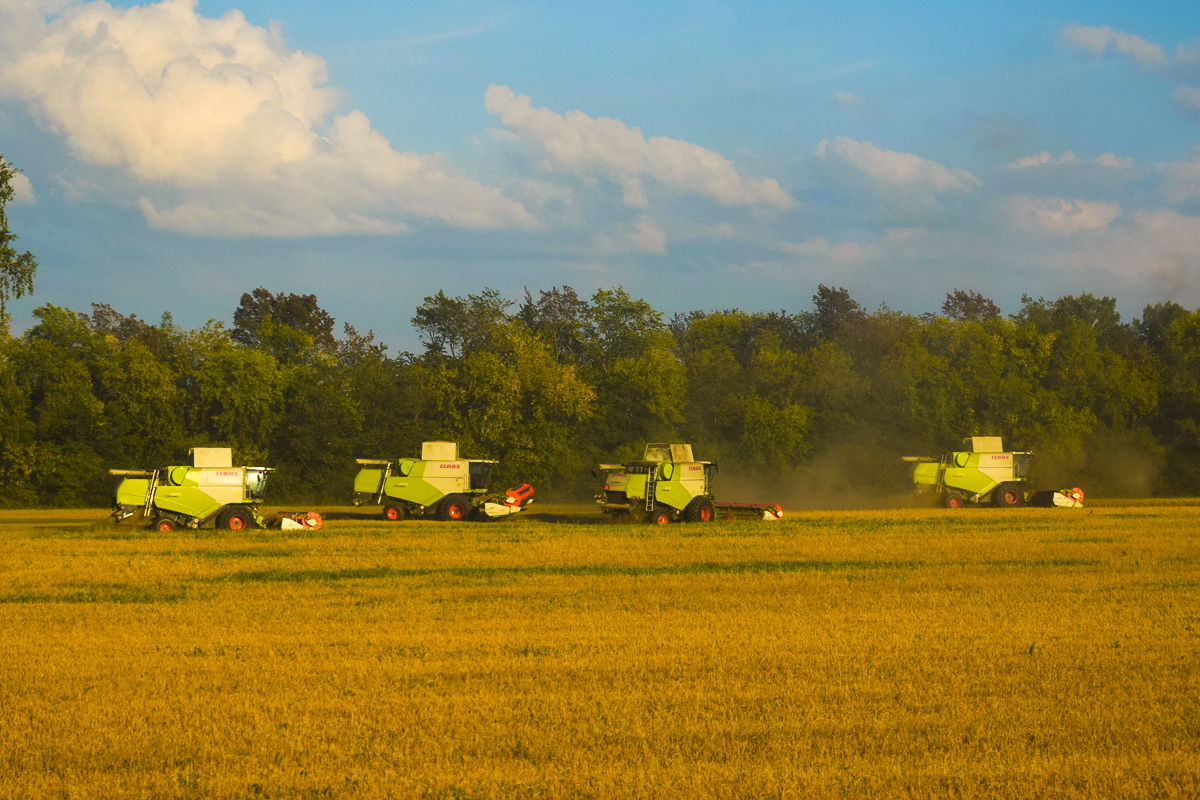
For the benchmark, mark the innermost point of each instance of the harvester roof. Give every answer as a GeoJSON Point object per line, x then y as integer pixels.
{"type": "Point", "coordinates": [679, 453]}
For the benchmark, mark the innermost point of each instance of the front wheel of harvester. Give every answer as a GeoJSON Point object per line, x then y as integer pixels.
{"type": "Point", "coordinates": [165, 525]}
{"type": "Point", "coordinates": [955, 501]}
{"type": "Point", "coordinates": [699, 510]}
{"type": "Point", "coordinates": [393, 513]}
{"type": "Point", "coordinates": [235, 518]}
{"type": "Point", "coordinates": [455, 508]}
{"type": "Point", "coordinates": [660, 516]}
{"type": "Point", "coordinates": [1009, 495]}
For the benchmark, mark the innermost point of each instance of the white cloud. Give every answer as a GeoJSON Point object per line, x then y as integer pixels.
{"type": "Point", "coordinates": [604, 147]}
{"type": "Point", "coordinates": [1182, 177]}
{"type": "Point", "coordinates": [1162, 249]}
{"type": "Point", "coordinates": [1187, 96]}
{"type": "Point", "coordinates": [897, 169]}
{"type": "Point", "coordinates": [1114, 161]}
{"type": "Point", "coordinates": [1059, 215]}
{"type": "Point", "coordinates": [1098, 41]}
{"type": "Point", "coordinates": [1042, 159]}
{"type": "Point", "coordinates": [220, 115]}
{"type": "Point", "coordinates": [641, 237]}
{"type": "Point", "coordinates": [22, 190]}
{"type": "Point", "coordinates": [1188, 56]}
{"type": "Point", "coordinates": [847, 99]}
{"type": "Point", "coordinates": [821, 250]}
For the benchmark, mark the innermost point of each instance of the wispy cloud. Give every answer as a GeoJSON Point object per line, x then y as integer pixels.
{"type": "Point", "coordinates": [893, 168]}
{"type": "Point", "coordinates": [1098, 41]}
{"type": "Point", "coordinates": [1042, 159]}
{"type": "Point", "coordinates": [456, 34]}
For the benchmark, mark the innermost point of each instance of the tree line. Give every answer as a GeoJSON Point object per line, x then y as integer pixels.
{"type": "Point", "coordinates": [824, 400]}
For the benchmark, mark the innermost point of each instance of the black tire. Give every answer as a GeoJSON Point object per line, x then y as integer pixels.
{"type": "Point", "coordinates": [1009, 495]}
{"type": "Point", "coordinates": [235, 518]}
{"type": "Point", "coordinates": [955, 501]}
{"type": "Point", "coordinates": [660, 516]}
{"type": "Point", "coordinates": [700, 510]}
{"type": "Point", "coordinates": [455, 508]}
{"type": "Point", "coordinates": [165, 525]}
{"type": "Point", "coordinates": [393, 512]}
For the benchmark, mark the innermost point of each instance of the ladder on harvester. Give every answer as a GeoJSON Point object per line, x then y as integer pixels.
{"type": "Point", "coordinates": [387, 471]}
{"type": "Point", "coordinates": [651, 483]}
{"type": "Point", "coordinates": [150, 493]}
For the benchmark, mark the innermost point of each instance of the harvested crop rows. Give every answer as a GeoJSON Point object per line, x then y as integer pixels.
{"type": "Point", "coordinates": [924, 653]}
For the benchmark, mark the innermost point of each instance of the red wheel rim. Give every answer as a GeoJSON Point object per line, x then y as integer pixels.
{"type": "Point", "coordinates": [661, 519]}
{"type": "Point", "coordinates": [165, 526]}
{"type": "Point", "coordinates": [237, 522]}
{"type": "Point", "coordinates": [706, 514]}
{"type": "Point", "coordinates": [456, 511]}
{"type": "Point", "coordinates": [392, 513]}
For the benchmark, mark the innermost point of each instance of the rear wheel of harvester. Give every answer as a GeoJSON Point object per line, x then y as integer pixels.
{"type": "Point", "coordinates": [699, 510]}
{"type": "Point", "coordinates": [660, 516]}
{"type": "Point", "coordinates": [955, 501]}
{"type": "Point", "coordinates": [455, 508]}
{"type": "Point", "coordinates": [1009, 495]}
{"type": "Point", "coordinates": [235, 518]}
{"type": "Point", "coordinates": [165, 525]}
{"type": "Point", "coordinates": [393, 513]}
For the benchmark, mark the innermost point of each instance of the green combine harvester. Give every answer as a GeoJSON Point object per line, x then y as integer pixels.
{"type": "Point", "coordinates": [210, 493]}
{"type": "Point", "coordinates": [983, 473]}
{"type": "Point", "coordinates": [669, 484]}
{"type": "Point", "coordinates": [438, 485]}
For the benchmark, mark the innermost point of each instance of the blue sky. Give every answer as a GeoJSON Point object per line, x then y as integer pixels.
{"type": "Point", "coordinates": [702, 155]}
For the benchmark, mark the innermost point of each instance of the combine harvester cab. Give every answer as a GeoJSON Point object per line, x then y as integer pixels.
{"type": "Point", "coordinates": [670, 484]}
{"type": "Point", "coordinates": [984, 473]}
{"type": "Point", "coordinates": [210, 493]}
{"type": "Point", "coordinates": [439, 484]}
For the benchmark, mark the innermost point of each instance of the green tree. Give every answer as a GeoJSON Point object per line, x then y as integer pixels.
{"type": "Point", "coordinates": [560, 318]}
{"type": "Point", "coordinates": [234, 395]}
{"type": "Point", "coordinates": [639, 380]}
{"type": "Point", "coordinates": [452, 326]}
{"type": "Point", "coordinates": [968, 306]}
{"type": "Point", "coordinates": [293, 327]}
{"type": "Point", "coordinates": [17, 270]}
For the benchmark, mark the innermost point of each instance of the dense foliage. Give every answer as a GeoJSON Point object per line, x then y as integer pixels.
{"type": "Point", "coordinates": [822, 402]}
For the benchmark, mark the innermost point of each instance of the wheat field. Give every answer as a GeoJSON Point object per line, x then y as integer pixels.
{"type": "Point", "coordinates": [906, 653]}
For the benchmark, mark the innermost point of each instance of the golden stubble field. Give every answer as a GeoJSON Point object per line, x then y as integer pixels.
{"type": "Point", "coordinates": [908, 653]}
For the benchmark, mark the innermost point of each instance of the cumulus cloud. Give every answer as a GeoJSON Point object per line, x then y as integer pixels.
{"type": "Point", "coordinates": [1162, 249]}
{"type": "Point", "coordinates": [887, 167]}
{"type": "Point", "coordinates": [228, 129]}
{"type": "Point", "coordinates": [1042, 159]}
{"type": "Point", "coordinates": [1182, 178]}
{"type": "Point", "coordinates": [607, 148]}
{"type": "Point", "coordinates": [1059, 215]}
{"type": "Point", "coordinates": [22, 189]}
{"type": "Point", "coordinates": [1098, 41]}
{"type": "Point", "coordinates": [1188, 97]}
{"type": "Point", "coordinates": [821, 250]}
{"type": "Point", "coordinates": [643, 236]}
{"type": "Point", "coordinates": [1114, 161]}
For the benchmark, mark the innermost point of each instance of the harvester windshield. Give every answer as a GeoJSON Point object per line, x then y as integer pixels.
{"type": "Point", "coordinates": [256, 482]}
{"type": "Point", "coordinates": [481, 474]}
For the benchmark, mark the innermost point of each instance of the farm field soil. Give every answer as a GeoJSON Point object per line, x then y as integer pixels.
{"type": "Point", "coordinates": [912, 653]}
